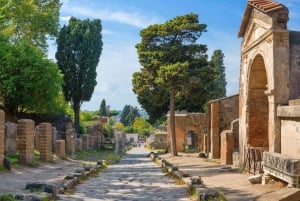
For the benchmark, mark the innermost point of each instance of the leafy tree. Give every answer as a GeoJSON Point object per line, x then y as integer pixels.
{"type": "Point", "coordinates": [113, 113]}
{"type": "Point", "coordinates": [108, 131]}
{"type": "Point", "coordinates": [28, 81]}
{"type": "Point", "coordinates": [79, 46]}
{"type": "Point", "coordinates": [172, 63]}
{"type": "Point", "coordinates": [102, 110]}
{"type": "Point", "coordinates": [141, 126]}
{"type": "Point", "coordinates": [119, 126]}
{"type": "Point", "coordinates": [128, 115]}
{"type": "Point", "coordinates": [35, 20]}
{"type": "Point", "coordinates": [218, 86]}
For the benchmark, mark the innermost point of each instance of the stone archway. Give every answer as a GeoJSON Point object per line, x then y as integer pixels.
{"type": "Point", "coordinates": [257, 105]}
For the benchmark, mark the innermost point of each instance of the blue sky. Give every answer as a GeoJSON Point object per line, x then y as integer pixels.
{"type": "Point", "coordinates": [122, 21]}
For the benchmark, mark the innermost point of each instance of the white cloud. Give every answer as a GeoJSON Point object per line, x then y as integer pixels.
{"type": "Point", "coordinates": [65, 18]}
{"type": "Point", "coordinates": [133, 18]}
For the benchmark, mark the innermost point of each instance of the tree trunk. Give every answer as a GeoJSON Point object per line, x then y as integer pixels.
{"type": "Point", "coordinates": [76, 109]}
{"type": "Point", "coordinates": [172, 123]}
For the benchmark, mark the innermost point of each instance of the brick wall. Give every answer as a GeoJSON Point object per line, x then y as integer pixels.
{"type": "Point", "coordinates": [25, 133]}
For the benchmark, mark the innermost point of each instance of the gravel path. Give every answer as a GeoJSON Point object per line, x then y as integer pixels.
{"type": "Point", "coordinates": [135, 178]}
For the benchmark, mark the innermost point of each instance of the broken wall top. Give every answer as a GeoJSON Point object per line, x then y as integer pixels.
{"type": "Point", "coordinates": [274, 14]}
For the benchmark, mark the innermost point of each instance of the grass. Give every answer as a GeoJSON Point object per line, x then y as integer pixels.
{"type": "Point", "coordinates": [14, 159]}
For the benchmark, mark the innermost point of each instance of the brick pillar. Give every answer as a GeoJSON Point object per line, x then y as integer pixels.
{"type": "Point", "coordinates": [45, 141]}
{"type": "Point", "coordinates": [60, 148]}
{"type": "Point", "coordinates": [2, 129]}
{"type": "Point", "coordinates": [85, 142]}
{"type": "Point", "coordinates": [25, 133]}
{"type": "Point", "coordinates": [10, 138]}
{"type": "Point", "coordinates": [227, 145]}
{"type": "Point", "coordinates": [214, 129]}
{"type": "Point", "coordinates": [70, 141]}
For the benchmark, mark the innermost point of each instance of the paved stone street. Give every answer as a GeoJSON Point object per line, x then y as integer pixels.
{"type": "Point", "coordinates": [136, 177]}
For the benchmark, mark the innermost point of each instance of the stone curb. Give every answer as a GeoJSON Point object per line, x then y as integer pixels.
{"type": "Point", "coordinates": [202, 192]}
{"type": "Point", "coordinates": [50, 191]}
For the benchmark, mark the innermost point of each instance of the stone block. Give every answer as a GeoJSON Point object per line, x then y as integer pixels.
{"type": "Point", "coordinates": [282, 167]}
{"type": "Point", "coordinates": [78, 144]}
{"type": "Point", "coordinates": [227, 146]}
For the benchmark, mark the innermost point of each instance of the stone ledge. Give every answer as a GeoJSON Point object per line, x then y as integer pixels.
{"type": "Point", "coordinates": [288, 111]}
{"type": "Point", "coordinates": [282, 167]}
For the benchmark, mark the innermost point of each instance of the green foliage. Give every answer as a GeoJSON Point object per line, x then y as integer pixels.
{"type": "Point", "coordinates": [172, 60]}
{"type": "Point", "coordinates": [28, 81]}
{"type": "Point", "coordinates": [128, 129]}
{"type": "Point", "coordinates": [108, 131]}
{"type": "Point", "coordinates": [34, 20]}
{"type": "Point", "coordinates": [128, 115]}
{"type": "Point", "coordinates": [79, 47]}
{"type": "Point", "coordinates": [142, 126]}
{"type": "Point", "coordinates": [7, 197]}
{"type": "Point", "coordinates": [218, 86]}
{"type": "Point", "coordinates": [103, 109]}
{"type": "Point", "coordinates": [113, 113]}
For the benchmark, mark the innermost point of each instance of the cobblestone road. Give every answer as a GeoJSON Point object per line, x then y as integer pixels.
{"type": "Point", "coordinates": [135, 178]}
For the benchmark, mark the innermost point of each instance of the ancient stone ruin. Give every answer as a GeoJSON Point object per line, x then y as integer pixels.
{"type": "Point", "coordinates": [259, 128]}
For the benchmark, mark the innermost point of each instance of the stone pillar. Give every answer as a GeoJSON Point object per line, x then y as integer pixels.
{"type": "Point", "coordinates": [25, 135]}
{"type": "Point", "coordinates": [78, 144]}
{"type": "Point", "coordinates": [227, 145]}
{"type": "Point", "coordinates": [45, 141]}
{"type": "Point", "coordinates": [54, 136]}
{"type": "Point", "coordinates": [60, 148]}
{"type": "Point", "coordinates": [2, 129]}
{"type": "Point", "coordinates": [205, 143]}
{"type": "Point", "coordinates": [214, 129]}
{"type": "Point", "coordinates": [70, 141]}
{"type": "Point", "coordinates": [37, 138]}
{"type": "Point", "coordinates": [10, 138]}
{"type": "Point", "coordinates": [85, 142]}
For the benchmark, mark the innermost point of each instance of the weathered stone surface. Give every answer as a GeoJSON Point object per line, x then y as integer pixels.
{"type": "Point", "coordinates": [10, 138]}
{"type": "Point", "coordinates": [187, 122]}
{"type": "Point", "coordinates": [282, 163]}
{"type": "Point", "coordinates": [205, 194]}
{"type": "Point", "coordinates": [25, 134]}
{"type": "Point", "coordinates": [255, 179]}
{"type": "Point", "coordinates": [45, 141]}
{"type": "Point", "coordinates": [60, 149]}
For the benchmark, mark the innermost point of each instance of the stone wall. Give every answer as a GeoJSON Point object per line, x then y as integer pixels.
{"type": "Point", "coordinates": [222, 112]}
{"type": "Point", "coordinates": [294, 84]}
{"type": "Point", "coordinates": [290, 128]}
{"type": "Point", "coordinates": [2, 129]}
{"type": "Point", "coordinates": [186, 122]}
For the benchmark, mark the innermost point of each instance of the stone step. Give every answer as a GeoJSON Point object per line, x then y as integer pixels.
{"type": "Point", "coordinates": [285, 194]}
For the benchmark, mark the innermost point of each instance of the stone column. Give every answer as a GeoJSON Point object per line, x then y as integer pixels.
{"type": "Point", "coordinates": [85, 142]}
{"type": "Point", "coordinates": [227, 144]}
{"type": "Point", "coordinates": [25, 135]}
{"type": "Point", "coordinates": [78, 144]}
{"type": "Point", "coordinates": [2, 129]}
{"type": "Point", "coordinates": [54, 136]}
{"type": "Point", "coordinates": [45, 141]}
{"type": "Point", "coordinates": [214, 129]}
{"type": "Point", "coordinates": [70, 141]}
{"type": "Point", "coordinates": [60, 148]}
{"type": "Point", "coordinates": [10, 138]}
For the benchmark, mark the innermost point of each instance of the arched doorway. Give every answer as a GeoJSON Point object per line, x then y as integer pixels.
{"type": "Point", "coordinates": [257, 105]}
